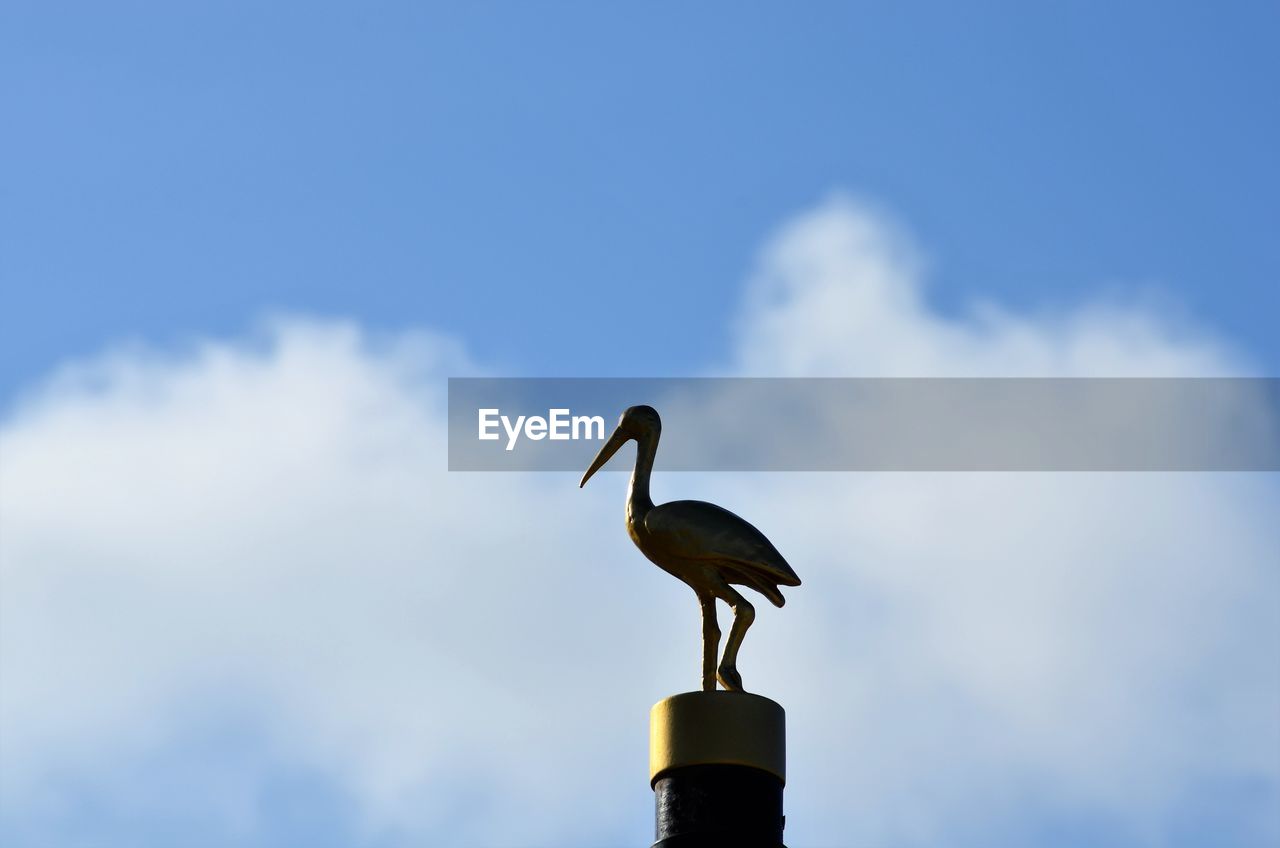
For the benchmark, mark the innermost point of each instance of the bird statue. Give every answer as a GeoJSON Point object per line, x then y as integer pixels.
{"type": "Point", "coordinates": [706, 546]}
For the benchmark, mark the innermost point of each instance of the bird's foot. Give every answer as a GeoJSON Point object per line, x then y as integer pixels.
{"type": "Point", "coordinates": [730, 679]}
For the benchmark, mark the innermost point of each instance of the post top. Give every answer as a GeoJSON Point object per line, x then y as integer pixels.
{"type": "Point", "coordinates": [717, 728]}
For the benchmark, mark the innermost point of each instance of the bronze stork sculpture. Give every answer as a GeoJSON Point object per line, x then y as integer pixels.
{"type": "Point", "coordinates": [707, 547]}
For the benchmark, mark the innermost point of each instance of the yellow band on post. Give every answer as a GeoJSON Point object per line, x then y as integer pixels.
{"type": "Point", "coordinates": [717, 728]}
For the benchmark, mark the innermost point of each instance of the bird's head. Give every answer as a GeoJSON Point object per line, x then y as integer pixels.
{"type": "Point", "coordinates": [637, 422]}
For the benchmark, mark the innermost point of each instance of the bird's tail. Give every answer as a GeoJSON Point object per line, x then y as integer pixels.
{"type": "Point", "coordinates": [768, 589]}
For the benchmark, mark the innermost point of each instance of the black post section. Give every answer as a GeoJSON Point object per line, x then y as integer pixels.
{"type": "Point", "coordinates": [717, 765]}
{"type": "Point", "coordinates": [718, 805]}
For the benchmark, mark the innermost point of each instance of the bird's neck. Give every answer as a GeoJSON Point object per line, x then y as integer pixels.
{"type": "Point", "coordinates": [638, 500]}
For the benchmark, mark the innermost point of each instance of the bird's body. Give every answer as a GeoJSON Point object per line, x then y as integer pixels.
{"type": "Point", "coordinates": [704, 545]}
{"type": "Point", "coordinates": [685, 537]}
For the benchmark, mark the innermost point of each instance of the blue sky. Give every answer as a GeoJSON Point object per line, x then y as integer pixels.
{"type": "Point", "coordinates": [242, 245]}
{"type": "Point", "coordinates": [545, 179]}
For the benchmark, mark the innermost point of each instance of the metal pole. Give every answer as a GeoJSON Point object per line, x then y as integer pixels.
{"type": "Point", "coordinates": [717, 766]}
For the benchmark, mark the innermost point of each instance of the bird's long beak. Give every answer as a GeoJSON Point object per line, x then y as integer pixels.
{"type": "Point", "coordinates": [617, 440]}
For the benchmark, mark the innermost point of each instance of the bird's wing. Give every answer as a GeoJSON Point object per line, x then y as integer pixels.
{"type": "Point", "coordinates": [703, 531]}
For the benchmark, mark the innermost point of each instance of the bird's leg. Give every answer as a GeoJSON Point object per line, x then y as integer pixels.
{"type": "Point", "coordinates": [710, 640]}
{"type": "Point", "coordinates": [743, 615]}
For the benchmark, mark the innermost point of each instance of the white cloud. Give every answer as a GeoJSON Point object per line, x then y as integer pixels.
{"type": "Point", "coordinates": [839, 292]}
{"type": "Point", "coordinates": [272, 526]}
{"type": "Point", "coordinates": [264, 532]}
